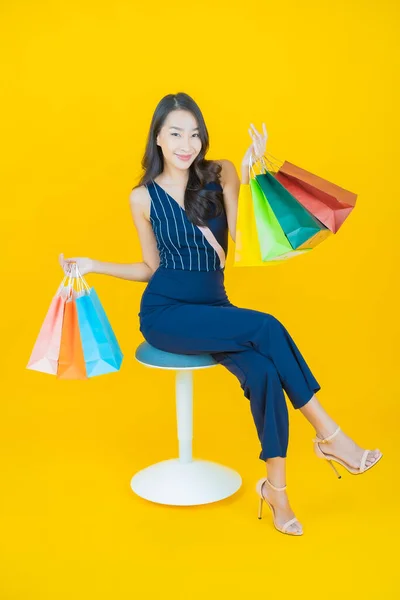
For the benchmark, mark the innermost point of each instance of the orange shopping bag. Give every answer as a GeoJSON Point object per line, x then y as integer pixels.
{"type": "Point", "coordinates": [71, 362]}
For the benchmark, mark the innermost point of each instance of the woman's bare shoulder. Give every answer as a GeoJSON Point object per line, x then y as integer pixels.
{"type": "Point", "coordinates": [139, 198]}
{"type": "Point", "coordinates": [228, 170]}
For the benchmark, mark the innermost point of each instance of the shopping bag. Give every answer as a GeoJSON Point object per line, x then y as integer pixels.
{"type": "Point", "coordinates": [46, 350]}
{"type": "Point", "coordinates": [328, 202]}
{"type": "Point", "coordinates": [101, 350]}
{"type": "Point", "coordinates": [260, 239]}
{"type": "Point", "coordinates": [106, 326]}
{"type": "Point", "coordinates": [271, 236]}
{"type": "Point", "coordinates": [300, 227]}
{"type": "Point", "coordinates": [247, 247]}
{"type": "Point", "coordinates": [71, 362]}
{"type": "Point", "coordinates": [97, 349]}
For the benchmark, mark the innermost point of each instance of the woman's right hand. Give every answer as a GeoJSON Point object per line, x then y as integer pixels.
{"type": "Point", "coordinates": [84, 264]}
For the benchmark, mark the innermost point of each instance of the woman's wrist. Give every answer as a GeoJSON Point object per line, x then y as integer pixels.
{"type": "Point", "coordinates": [94, 266]}
{"type": "Point", "coordinates": [91, 268]}
{"type": "Point", "coordinates": [245, 174]}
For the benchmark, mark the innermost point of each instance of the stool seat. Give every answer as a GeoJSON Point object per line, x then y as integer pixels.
{"type": "Point", "coordinates": [153, 357]}
{"type": "Point", "coordinates": [182, 481]}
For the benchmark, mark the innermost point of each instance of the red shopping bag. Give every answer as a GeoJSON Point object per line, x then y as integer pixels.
{"type": "Point", "coordinates": [328, 202]}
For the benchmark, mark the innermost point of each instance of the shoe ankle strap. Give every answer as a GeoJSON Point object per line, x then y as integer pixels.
{"type": "Point", "coordinates": [278, 489]}
{"type": "Point", "coordinates": [330, 437]}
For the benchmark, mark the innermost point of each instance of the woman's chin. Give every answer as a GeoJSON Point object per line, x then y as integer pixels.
{"type": "Point", "coordinates": [182, 165]}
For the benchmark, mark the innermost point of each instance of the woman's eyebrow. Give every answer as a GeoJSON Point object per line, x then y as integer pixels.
{"type": "Point", "coordinates": [181, 128]}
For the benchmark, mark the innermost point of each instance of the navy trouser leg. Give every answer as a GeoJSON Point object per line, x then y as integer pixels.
{"type": "Point", "coordinates": [196, 328]}
{"type": "Point", "coordinates": [275, 342]}
{"type": "Point", "coordinates": [261, 385]}
{"type": "Point", "coordinates": [259, 345]}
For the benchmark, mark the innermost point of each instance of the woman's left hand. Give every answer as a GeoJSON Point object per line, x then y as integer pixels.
{"type": "Point", "coordinates": [257, 149]}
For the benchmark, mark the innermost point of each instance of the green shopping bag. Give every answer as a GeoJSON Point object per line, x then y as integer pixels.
{"type": "Point", "coordinates": [274, 245]}
{"type": "Point", "coordinates": [300, 227]}
{"type": "Point", "coordinates": [271, 237]}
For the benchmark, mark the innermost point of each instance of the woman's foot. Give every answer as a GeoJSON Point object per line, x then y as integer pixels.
{"type": "Point", "coordinates": [280, 503]}
{"type": "Point", "coordinates": [342, 446]}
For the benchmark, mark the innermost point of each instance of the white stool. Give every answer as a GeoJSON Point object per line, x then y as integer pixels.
{"type": "Point", "coordinates": [182, 481]}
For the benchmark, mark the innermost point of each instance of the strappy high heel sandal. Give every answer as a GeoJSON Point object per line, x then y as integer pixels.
{"type": "Point", "coordinates": [283, 529]}
{"type": "Point", "coordinates": [329, 457]}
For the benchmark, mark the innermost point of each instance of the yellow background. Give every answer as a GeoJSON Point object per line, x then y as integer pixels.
{"type": "Point", "coordinates": [79, 84]}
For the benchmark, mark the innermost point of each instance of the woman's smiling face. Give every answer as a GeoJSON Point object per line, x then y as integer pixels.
{"type": "Point", "coordinates": [179, 138]}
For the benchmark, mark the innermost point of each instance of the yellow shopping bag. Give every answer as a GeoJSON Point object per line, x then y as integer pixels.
{"type": "Point", "coordinates": [247, 248]}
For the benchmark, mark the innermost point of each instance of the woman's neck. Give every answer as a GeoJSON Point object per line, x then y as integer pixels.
{"type": "Point", "coordinates": [174, 177]}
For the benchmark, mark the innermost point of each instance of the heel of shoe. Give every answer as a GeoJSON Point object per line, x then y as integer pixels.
{"type": "Point", "coordinates": [260, 508]}
{"type": "Point", "coordinates": [335, 469]}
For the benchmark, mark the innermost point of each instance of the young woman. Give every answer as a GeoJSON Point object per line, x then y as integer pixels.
{"type": "Point", "coordinates": [183, 208]}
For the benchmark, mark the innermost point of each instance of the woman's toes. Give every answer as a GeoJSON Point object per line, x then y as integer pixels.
{"type": "Point", "coordinates": [372, 457]}
{"type": "Point", "coordinates": [295, 527]}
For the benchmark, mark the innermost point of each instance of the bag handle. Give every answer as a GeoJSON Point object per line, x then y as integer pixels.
{"type": "Point", "coordinates": [265, 164]}
{"type": "Point", "coordinates": [62, 284]}
{"type": "Point", "coordinates": [272, 162]}
{"type": "Point", "coordinates": [70, 283]}
{"type": "Point", "coordinates": [81, 280]}
{"type": "Point", "coordinates": [251, 163]}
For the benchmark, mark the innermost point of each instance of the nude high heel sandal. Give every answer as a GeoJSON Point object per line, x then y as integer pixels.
{"type": "Point", "coordinates": [259, 487]}
{"type": "Point", "coordinates": [330, 457]}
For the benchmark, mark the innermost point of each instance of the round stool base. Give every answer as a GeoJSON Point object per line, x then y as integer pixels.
{"type": "Point", "coordinates": [185, 484]}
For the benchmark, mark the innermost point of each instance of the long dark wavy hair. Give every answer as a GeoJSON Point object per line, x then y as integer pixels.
{"type": "Point", "coordinates": [200, 204]}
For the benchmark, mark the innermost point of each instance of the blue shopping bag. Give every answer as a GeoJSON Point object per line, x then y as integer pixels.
{"type": "Point", "coordinates": [99, 349]}
{"type": "Point", "coordinates": [107, 325]}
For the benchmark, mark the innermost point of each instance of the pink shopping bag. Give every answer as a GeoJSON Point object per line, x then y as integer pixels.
{"type": "Point", "coordinates": [45, 353]}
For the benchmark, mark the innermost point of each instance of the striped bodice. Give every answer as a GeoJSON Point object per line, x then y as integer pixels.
{"type": "Point", "coordinates": [181, 244]}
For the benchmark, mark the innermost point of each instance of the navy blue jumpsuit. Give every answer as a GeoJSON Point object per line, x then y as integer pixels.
{"type": "Point", "coordinates": [185, 309]}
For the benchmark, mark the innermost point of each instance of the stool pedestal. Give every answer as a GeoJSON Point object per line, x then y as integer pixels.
{"type": "Point", "coordinates": [184, 481]}
{"type": "Point", "coordinates": [185, 484]}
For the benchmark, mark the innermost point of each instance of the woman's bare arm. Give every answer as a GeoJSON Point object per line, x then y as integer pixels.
{"type": "Point", "coordinates": [139, 201]}
{"type": "Point", "coordinates": [132, 271]}
{"type": "Point", "coordinates": [140, 271]}
{"type": "Point", "coordinates": [230, 183]}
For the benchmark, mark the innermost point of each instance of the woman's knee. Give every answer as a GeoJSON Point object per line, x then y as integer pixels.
{"type": "Point", "coordinates": [272, 320]}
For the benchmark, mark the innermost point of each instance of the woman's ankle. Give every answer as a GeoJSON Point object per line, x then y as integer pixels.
{"type": "Point", "coordinates": [276, 471]}
{"type": "Point", "coordinates": [325, 431]}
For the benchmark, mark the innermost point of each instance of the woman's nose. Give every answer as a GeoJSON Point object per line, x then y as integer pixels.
{"type": "Point", "coordinates": [186, 143]}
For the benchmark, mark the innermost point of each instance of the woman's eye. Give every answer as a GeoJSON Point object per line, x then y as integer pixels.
{"type": "Point", "coordinates": [174, 133]}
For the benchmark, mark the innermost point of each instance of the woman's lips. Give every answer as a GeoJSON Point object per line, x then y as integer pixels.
{"type": "Point", "coordinates": [183, 157]}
